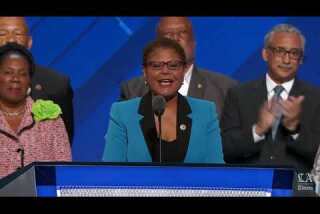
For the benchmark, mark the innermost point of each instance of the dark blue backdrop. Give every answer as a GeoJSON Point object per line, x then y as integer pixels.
{"type": "Point", "coordinates": [97, 53]}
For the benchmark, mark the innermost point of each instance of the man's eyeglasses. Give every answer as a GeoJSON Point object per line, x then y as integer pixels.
{"type": "Point", "coordinates": [171, 65]}
{"type": "Point", "coordinates": [294, 53]}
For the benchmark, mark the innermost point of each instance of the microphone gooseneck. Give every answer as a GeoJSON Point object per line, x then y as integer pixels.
{"type": "Point", "coordinates": [158, 107]}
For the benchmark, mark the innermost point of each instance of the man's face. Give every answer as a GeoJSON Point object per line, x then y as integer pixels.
{"type": "Point", "coordinates": [283, 56]}
{"type": "Point", "coordinates": [180, 30]}
{"type": "Point", "coordinates": [14, 29]}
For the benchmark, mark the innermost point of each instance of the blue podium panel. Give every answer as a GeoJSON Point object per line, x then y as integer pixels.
{"type": "Point", "coordinates": [52, 180]}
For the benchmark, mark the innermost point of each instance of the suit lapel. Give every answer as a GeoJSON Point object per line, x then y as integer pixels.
{"type": "Point", "coordinates": [38, 90]}
{"type": "Point", "coordinates": [260, 90]}
{"type": "Point", "coordinates": [297, 89]}
{"type": "Point", "coordinates": [184, 125]}
{"type": "Point", "coordinates": [147, 123]}
{"type": "Point", "coordinates": [258, 97]}
{"type": "Point", "coordinates": [197, 84]}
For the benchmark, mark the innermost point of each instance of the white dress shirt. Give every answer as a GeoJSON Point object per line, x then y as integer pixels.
{"type": "Point", "coordinates": [284, 95]}
{"type": "Point", "coordinates": [186, 82]}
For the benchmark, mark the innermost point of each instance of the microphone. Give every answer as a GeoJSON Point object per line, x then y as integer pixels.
{"type": "Point", "coordinates": [21, 151]}
{"type": "Point", "coordinates": [158, 107]}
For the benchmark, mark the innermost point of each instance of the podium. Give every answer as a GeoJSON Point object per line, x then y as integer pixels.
{"type": "Point", "coordinates": [147, 180]}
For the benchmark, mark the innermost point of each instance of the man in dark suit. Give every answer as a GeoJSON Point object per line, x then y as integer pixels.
{"type": "Point", "coordinates": [46, 83]}
{"type": "Point", "coordinates": [197, 83]}
{"type": "Point", "coordinates": [275, 120]}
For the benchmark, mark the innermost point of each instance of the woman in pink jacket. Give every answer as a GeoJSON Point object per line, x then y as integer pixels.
{"type": "Point", "coordinates": [29, 130]}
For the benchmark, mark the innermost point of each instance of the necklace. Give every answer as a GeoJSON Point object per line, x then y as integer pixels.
{"type": "Point", "coordinates": [13, 114]}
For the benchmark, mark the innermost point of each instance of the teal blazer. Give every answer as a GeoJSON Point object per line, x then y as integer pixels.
{"type": "Point", "coordinates": [127, 139]}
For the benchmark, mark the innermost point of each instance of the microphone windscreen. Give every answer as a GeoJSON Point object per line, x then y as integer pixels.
{"type": "Point", "coordinates": [158, 104]}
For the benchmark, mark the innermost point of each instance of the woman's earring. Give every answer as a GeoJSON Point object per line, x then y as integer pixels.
{"type": "Point", "coordinates": [28, 91]}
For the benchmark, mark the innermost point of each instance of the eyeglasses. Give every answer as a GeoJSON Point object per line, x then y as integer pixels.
{"type": "Point", "coordinates": [171, 65]}
{"type": "Point", "coordinates": [294, 53]}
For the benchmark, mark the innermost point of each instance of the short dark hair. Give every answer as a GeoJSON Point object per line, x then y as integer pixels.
{"type": "Point", "coordinates": [163, 43]}
{"type": "Point", "coordinates": [15, 48]}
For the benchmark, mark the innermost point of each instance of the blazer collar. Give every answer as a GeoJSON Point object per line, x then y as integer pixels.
{"type": "Point", "coordinates": [297, 88]}
{"type": "Point", "coordinates": [147, 124]}
{"type": "Point", "coordinates": [38, 91]}
{"type": "Point", "coordinates": [260, 89]}
{"type": "Point", "coordinates": [145, 106]}
{"type": "Point", "coordinates": [184, 124]}
{"type": "Point", "coordinates": [197, 84]}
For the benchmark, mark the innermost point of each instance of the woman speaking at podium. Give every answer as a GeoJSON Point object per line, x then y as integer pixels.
{"type": "Point", "coordinates": [163, 126]}
{"type": "Point", "coordinates": [29, 130]}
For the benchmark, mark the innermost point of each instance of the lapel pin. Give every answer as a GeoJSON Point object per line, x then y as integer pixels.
{"type": "Point", "coordinates": [38, 87]}
{"type": "Point", "coordinates": [199, 85]}
{"type": "Point", "coordinates": [183, 127]}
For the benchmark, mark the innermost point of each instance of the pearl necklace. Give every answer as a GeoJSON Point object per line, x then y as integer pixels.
{"type": "Point", "coordinates": [13, 114]}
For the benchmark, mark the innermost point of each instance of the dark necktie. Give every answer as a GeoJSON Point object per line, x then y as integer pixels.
{"type": "Point", "coordinates": [277, 92]}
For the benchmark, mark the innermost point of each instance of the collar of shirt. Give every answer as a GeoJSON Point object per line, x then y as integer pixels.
{"type": "Point", "coordinates": [271, 84]}
{"type": "Point", "coordinates": [186, 81]}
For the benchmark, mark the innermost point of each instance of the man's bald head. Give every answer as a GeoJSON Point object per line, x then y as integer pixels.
{"type": "Point", "coordinates": [180, 30]}
{"type": "Point", "coordinates": [14, 29]}
{"type": "Point", "coordinates": [170, 20]}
